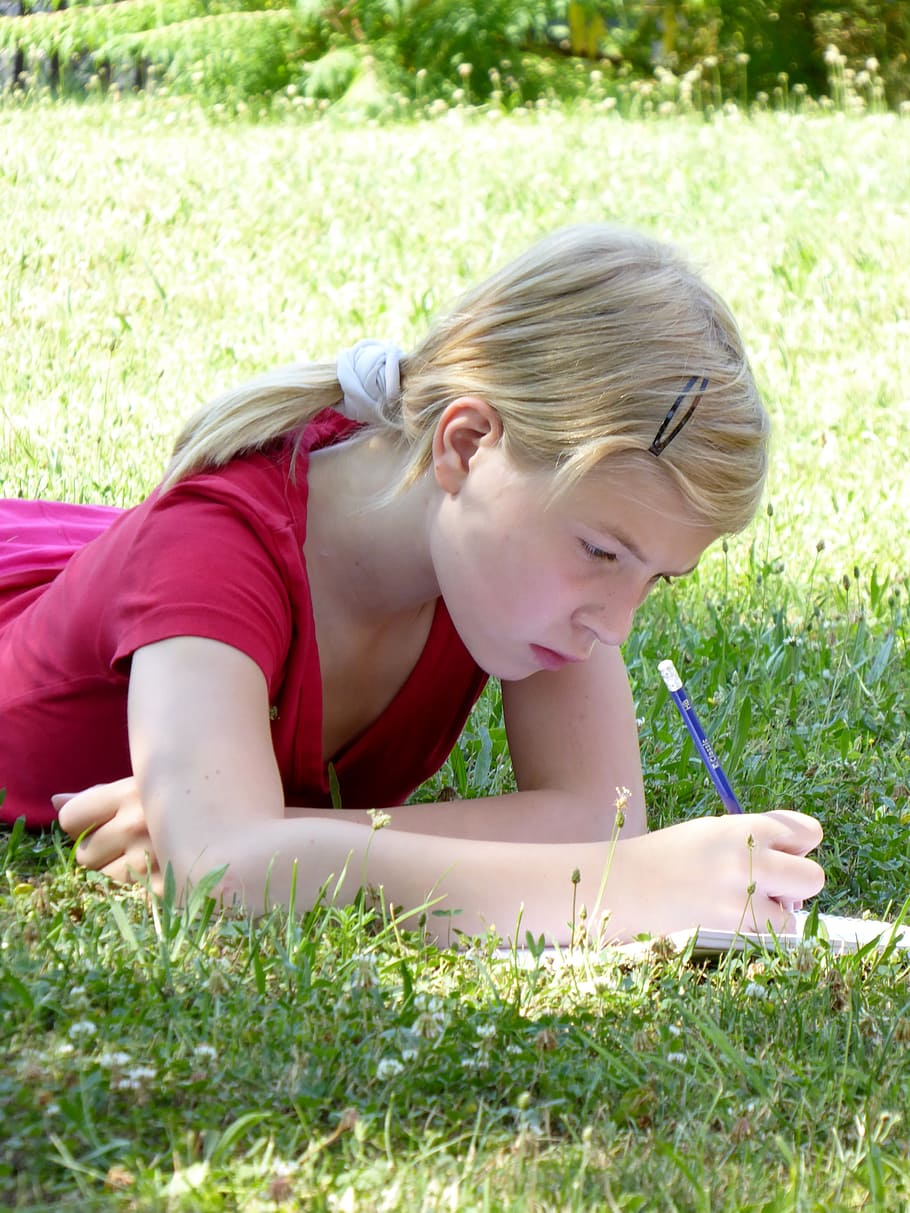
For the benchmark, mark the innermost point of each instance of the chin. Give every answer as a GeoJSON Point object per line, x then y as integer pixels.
{"type": "Point", "coordinates": [515, 673]}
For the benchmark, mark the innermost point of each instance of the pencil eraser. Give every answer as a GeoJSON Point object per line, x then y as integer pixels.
{"type": "Point", "coordinates": [667, 671]}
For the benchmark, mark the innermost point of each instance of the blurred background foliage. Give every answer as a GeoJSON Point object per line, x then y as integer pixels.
{"type": "Point", "coordinates": [375, 55]}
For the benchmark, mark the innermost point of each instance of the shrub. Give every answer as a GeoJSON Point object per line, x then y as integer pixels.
{"type": "Point", "coordinates": [427, 48]}
{"type": "Point", "coordinates": [225, 58]}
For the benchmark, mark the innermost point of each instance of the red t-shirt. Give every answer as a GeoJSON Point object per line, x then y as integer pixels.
{"type": "Point", "coordinates": [220, 556]}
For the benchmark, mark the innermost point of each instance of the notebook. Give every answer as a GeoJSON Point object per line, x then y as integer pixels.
{"type": "Point", "coordinates": [841, 934]}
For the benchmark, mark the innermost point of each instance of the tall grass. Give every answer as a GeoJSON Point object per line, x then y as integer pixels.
{"type": "Point", "coordinates": [167, 1059]}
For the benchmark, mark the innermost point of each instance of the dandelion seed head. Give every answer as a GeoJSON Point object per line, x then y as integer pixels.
{"type": "Point", "coordinates": [364, 975]}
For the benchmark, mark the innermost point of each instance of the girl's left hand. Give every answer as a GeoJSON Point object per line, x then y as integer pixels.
{"type": "Point", "coordinates": [118, 843]}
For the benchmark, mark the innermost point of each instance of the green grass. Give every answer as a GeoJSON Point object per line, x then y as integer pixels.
{"type": "Point", "coordinates": [166, 1059]}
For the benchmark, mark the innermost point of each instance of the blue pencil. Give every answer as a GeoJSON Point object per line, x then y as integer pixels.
{"type": "Point", "coordinates": [680, 697]}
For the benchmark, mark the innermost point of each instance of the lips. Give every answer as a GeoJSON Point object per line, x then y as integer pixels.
{"type": "Point", "coordinates": [550, 659]}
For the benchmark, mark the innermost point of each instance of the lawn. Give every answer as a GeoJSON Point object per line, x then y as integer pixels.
{"type": "Point", "coordinates": [159, 1058]}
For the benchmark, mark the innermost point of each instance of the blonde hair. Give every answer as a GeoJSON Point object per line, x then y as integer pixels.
{"type": "Point", "coordinates": [582, 345]}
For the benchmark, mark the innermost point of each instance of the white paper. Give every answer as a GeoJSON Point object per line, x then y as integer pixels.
{"type": "Point", "coordinates": [842, 934]}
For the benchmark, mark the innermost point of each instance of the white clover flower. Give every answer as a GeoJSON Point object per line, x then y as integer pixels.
{"type": "Point", "coordinates": [486, 1030]}
{"type": "Point", "coordinates": [114, 1061]}
{"type": "Point", "coordinates": [408, 1054]}
{"type": "Point", "coordinates": [205, 1052]}
{"type": "Point", "coordinates": [754, 990]}
{"type": "Point", "coordinates": [674, 1029]}
{"type": "Point", "coordinates": [135, 1078]}
{"type": "Point", "coordinates": [388, 1067]}
{"type": "Point", "coordinates": [677, 1059]}
{"type": "Point", "coordinates": [82, 1029]}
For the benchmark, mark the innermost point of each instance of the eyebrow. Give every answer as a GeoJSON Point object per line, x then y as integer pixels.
{"type": "Point", "coordinates": [636, 551]}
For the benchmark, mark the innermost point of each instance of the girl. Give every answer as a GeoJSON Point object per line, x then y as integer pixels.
{"type": "Point", "coordinates": [337, 559]}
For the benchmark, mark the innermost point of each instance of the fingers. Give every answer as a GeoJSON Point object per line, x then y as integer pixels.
{"type": "Point", "coordinates": [764, 914]}
{"type": "Point", "coordinates": [124, 859]}
{"type": "Point", "coordinates": [123, 835]}
{"type": "Point", "coordinates": [789, 877]}
{"type": "Point", "coordinates": [86, 810]}
{"type": "Point", "coordinates": [116, 840]}
{"type": "Point", "coordinates": [135, 867]}
{"type": "Point", "coordinates": [783, 875]}
{"type": "Point", "coordinates": [792, 831]}
{"type": "Point", "coordinates": [775, 871]}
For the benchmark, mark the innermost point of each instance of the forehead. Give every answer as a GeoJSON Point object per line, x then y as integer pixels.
{"type": "Point", "coordinates": [636, 501]}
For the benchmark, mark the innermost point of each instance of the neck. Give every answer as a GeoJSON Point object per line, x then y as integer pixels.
{"type": "Point", "coordinates": [369, 551]}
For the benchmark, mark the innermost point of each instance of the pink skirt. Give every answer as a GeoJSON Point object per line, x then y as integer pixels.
{"type": "Point", "coordinates": [37, 538]}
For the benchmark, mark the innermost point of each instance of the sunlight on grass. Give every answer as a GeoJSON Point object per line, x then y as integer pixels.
{"type": "Point", "coordinates": [156, 256]}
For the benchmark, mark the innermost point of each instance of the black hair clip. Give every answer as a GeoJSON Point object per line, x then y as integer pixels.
{"type": "Point", "coordinates": [660, 442]}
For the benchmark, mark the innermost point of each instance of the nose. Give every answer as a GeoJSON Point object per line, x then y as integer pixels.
{"type": "Point", "coordinates": [610, 622]}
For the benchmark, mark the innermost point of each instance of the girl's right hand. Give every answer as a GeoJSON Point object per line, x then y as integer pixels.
{"type": "Point", "coordinates": [116, 840]}
{"type": "Point", "coordinates": [728, 873]}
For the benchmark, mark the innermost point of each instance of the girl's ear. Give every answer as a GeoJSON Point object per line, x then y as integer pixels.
{"type": "Point", "coordinates": [465, 426]}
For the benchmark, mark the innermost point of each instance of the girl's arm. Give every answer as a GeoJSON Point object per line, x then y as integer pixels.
{"type": "Point", "coordinates": [575, 730]}
{"type": "Point", "coordinates": [208, 783]}
{"type": "Point", "coordinates": [569, 732]}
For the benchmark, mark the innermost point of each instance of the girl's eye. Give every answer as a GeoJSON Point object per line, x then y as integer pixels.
{"type": "Point", "coordinates": [597, 553]}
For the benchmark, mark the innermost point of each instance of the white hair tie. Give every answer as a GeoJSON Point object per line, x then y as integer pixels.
{"type": "Point", "coordinates": [369, 374]}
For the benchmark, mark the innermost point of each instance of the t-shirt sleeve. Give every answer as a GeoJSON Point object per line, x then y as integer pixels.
{"type": "Point", "coordinates": [199, 565]}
